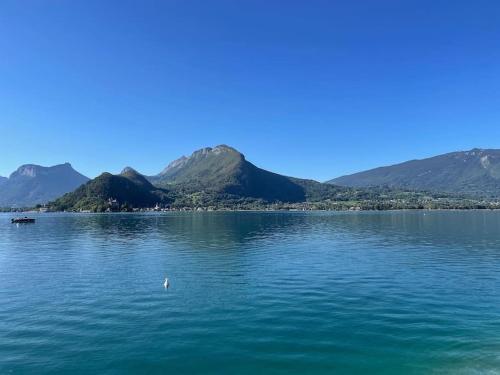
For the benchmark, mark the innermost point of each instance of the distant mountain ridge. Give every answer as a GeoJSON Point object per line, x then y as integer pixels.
{"type": "Point", "coordinates": [33, 184]}
{"type": "Point", "coordinates": [222, 178]}
{"type": "Point", "coordinates": [475, 172]}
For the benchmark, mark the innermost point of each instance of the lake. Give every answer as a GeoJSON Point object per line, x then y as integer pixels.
{"type": "Point", "coordinates": [409, 292]}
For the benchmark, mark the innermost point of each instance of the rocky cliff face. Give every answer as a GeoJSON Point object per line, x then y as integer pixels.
{"type": "Point", "coordinates": [33, 184]}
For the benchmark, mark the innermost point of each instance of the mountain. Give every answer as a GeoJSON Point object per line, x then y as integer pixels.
{"type": "Point", "coordinates": [3, 179]}
{"type": "Point", "coordinates": [32, 184]}
{"type": "Point", "coordinates": [475, 172]}
{"type": "Point", "coordinates": [223, 170]}
{"type": "Point", "coordinates": [221, 178]}
{"type": "Point", "coordinates": [127, 190]}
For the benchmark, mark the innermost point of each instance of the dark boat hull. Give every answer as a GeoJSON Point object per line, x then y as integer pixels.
{"type": "Point", "coordinates": [23, 220]}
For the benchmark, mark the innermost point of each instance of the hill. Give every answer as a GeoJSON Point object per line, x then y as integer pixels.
{"type": "Point", "coordinates": [114, 192]}
{"type": "Point", "coordinates": [33, 184]}
{"type": "Point", "coordinates": [475, 172]}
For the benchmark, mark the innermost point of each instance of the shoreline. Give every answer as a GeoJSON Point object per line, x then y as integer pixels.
{"type": "Point", "coordinates": [249, 210]}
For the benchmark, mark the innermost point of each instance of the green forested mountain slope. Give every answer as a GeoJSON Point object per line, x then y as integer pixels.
{"type": "Point", "coordinates": [224, 170]}
{"type": "Point", "coordinates": [126, 190]}
{"type": "Point", "coordinates": [475, 172]}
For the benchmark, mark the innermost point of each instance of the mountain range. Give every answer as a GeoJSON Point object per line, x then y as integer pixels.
{"type": "Point", "coordinates": [474, 173]}
{"type": "Point", "coordinates": [33, 184]}
{"type": "Point", "coordinates": [221, 177]}
{"type": "Point", "coordinates": [209, 177]}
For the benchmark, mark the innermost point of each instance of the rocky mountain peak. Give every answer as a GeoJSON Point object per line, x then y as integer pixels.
{"type": "Point", "coordinates": [203, 153]}
{"type": "Point", "coordinates": [129, 170]}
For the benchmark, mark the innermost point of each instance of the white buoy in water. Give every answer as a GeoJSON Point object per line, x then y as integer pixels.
{"type": "Point", "coordinates": [166, 284]}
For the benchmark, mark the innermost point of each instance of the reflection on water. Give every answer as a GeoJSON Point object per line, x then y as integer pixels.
{"type": "Point", "coordinates": [388, 292]}
{"type": "Point", "coordinates": [222, 229]}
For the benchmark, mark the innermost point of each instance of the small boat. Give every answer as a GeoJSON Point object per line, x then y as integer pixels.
{"type": "Point", "coordinates": [22, 220]}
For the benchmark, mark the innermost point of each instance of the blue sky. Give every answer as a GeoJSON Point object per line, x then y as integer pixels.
{"type": "Point", "coordinates": [305, 88]}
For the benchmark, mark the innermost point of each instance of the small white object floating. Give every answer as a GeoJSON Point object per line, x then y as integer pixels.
{"type": "Point", "coordinates": [166, 284]}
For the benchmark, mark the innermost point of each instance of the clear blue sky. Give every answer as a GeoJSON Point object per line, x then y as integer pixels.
{"type": "Point", "coordinates": [306, 88]}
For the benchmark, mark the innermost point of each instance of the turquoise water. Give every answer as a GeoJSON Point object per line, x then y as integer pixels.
{"type": "Point", "coordinates": [251, 293]}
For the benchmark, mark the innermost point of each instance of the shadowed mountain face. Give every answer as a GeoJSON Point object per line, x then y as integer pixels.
{"type": "Point", "coordinates": [33, 184]}
{"type": "Point", "coordinates": [224, 170]}
{"type": "Point", "coordinates": [3, 179]}
{"type": "Point", "coordinates": [474, 172]}
{"type": "Point", "coordinates": [128, 189]}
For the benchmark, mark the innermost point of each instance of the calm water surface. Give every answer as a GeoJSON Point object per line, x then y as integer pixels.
{"type": "Point", "coordinates": [251, 293]}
